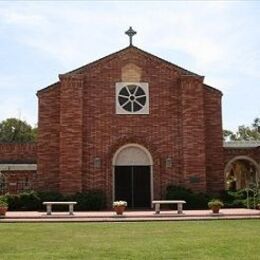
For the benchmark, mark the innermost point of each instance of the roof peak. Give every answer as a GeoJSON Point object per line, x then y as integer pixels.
{"type": "Point", "coordinates": [112, 55]}
{"type": "Point", "coordinates": [83, 68]}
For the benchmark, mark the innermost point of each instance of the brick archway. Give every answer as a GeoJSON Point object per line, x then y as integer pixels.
{"type": "Point", "coordinates": [242, 158]}
{"type": "Point", "coordinates": [146, 155]}
{"type": "Point", "coordinates": [135, 155]}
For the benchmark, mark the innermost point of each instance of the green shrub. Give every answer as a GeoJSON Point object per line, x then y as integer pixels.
{"type": "Point", "coordinates": [52, 196]}
{"type": "Point", "coordinates": [13, 201]}
{"type": "Point", "coordinates": [30, 200]}
{"type": "Point", "coordinates": [235, 199]}
{"type": "Point", "coordinates": [193, 200]}
{"type": "Point", "coordinates": [23, 201]}
{"type": "Point", "coordinates": [3, 198]}
{"type": "Point", "coordinates": [3, 203]}
{"type": "Point", "coordinates": [238, 199]}
{"type": "Point", "coordinates": [91, 200]}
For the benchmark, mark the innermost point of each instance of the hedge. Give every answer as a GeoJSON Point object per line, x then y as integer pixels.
{"type": "Point", "coordinates": [193, 200]}
{"type": "Point", "coordinates": [90, 200]}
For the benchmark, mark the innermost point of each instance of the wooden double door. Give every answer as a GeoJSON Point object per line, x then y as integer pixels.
{"type": "Point", "coordinates": [133, 184]}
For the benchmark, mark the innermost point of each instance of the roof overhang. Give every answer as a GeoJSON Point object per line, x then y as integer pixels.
{"type": "Point", "coordinates": [242, 144]}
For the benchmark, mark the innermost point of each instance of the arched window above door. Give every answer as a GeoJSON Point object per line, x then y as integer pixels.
{"type": "Point", "coordinates": [132, 154]}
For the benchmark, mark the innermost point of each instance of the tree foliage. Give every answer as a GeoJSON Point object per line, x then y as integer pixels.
{"type": "Point", "coordinates": [13, 130]}
{"type": "Point", "coordinates": [244, 133]}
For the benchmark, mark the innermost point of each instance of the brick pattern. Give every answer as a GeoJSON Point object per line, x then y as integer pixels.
{"type": "Point", "coordinates": [214, 141]}
{"type": "Point", "coordinates": [18, 153]}
{"type": "Point", "coordinates": [193, 134]}
{"type": "Point", "coordinates": [103, 129]}
{"type": "Point", "coordinates": [78, 123]}
{"type": "Point", "coordinates": [230, 153]}
{"type": "Point", "coordinates": [19, 181]}
{"type": "Point", "coordinates": [48, 141]}
{"type": "Point", "coordinates": [71, 98]}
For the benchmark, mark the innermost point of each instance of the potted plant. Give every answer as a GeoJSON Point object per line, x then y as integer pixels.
{"type": "Point", "coordinates": [3, 207]}
{"type": "Point", "coordinates": [215, 205]}
{"type": "Point", "coordinates": [119, 206]}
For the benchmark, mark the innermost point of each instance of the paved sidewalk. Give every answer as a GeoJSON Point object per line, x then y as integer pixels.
{"type": "Point", "coordinates": [129, 216]}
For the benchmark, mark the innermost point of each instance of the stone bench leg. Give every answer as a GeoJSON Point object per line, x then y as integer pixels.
{"type": "Point", "coordinates": [157, 208]}
{"type": "Point", "coordinates": [49, 209]}
{"type": "Point", "coordinates": [179, 208]}
{"type": "Point", "coordinates": [71, 208]}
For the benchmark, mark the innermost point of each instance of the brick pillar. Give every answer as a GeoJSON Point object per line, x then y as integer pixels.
{"type": "Point", "coordinates": [71, 103]}
{"type": "Point", "coordinates": [214, 141]}
{"type": "Point", "coordinates": [193, 134]}
{"type": "Point", "coordinates": [48, 145]}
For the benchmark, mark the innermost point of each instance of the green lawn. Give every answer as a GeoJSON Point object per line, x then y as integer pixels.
{"type": "Point", "coordinates": [238, 239]}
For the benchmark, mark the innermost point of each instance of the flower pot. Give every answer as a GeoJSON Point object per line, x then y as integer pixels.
{"type": "Point", "coordinates": [3, 211]}
{"type": "Point", "coordinates": [119, 210]}
{"type": "Point", "coordinates": [215, 209]}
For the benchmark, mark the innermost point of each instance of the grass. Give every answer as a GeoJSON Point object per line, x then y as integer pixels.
{"type": "Point", "coordinates": [238, 239]}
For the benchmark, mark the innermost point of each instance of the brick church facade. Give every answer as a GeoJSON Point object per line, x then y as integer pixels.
{"type": "Point", "coordinates": [129, 124]}
{"type": "Point", "coordinates": [79, 125]}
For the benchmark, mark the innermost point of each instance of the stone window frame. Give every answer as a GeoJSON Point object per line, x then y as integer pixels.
{"type": "Point", "coordinates": [133, 98]}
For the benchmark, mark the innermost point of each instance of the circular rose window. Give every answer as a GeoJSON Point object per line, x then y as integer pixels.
{"type": "Point", "coordinates": [132, 98]}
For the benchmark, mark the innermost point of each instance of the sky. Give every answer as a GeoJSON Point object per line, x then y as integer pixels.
{"type": "Point", "coordinates": [219, 40]}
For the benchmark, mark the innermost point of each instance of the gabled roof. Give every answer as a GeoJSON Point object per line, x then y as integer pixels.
{"type": "Point", "coordinates": [129, 48]}
{"type": "Point", "coordinates": [84, 68]}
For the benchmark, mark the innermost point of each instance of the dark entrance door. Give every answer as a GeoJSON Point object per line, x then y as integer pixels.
{"type": "Point", "coordinates": [133, 184]}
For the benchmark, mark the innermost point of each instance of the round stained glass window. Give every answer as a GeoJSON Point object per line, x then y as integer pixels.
{"type": "Point", "coordinates": [132, 98]}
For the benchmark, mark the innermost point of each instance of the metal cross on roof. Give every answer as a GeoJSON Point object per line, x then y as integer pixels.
{"type": "Point", "coordinates": [130, 32]}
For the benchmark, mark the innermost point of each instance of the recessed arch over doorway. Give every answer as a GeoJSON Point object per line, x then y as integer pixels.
{"type": "Point", "coordinates": [241, 172]}
{"type": "Point", "coordinates": [133, 176]}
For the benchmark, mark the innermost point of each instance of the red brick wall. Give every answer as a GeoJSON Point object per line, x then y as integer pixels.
{"type": "Point", "coordinates": [19, 181]}
{"type": "Point", "coordinates": [71, 98]}
{"type": "Point", "coordinates": [230, 153]}
{"type": "Point", "coordinates": [48, 142]}
{"type": "Point", "coordinates": [77, 123]}
{"type": "Point", "coordinates": [158, 132]}
{"type": "Point", "coordinates": [214, 140]}
{"type": "Point", "coordinates": [18, 153]}
{"type": "Point", "coordinates": [193, 134]}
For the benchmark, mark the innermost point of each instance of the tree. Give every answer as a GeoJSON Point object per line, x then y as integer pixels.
{"type": "Point", "coordinates": [244, 133]}
{"type": "Point", "coordinates": [227, 134]}
{"type": "Point", "coordinates": [13, 130]}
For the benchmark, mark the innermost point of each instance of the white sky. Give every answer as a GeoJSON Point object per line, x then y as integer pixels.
{"type": "Point", "coordinates": [220, 40]}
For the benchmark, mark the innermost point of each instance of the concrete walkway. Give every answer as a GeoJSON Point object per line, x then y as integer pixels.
{"type": "Point", "coordinates": [129, 216]}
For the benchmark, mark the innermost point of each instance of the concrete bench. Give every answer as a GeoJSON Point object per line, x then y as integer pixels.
{"type": "Point", "coordinates": [50, 203]}
{"type": "Point", "coordinates": [159, 202]}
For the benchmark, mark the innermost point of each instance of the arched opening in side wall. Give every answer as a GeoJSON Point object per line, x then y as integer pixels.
{"type": "Point", "coordinates": [241, 172]}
